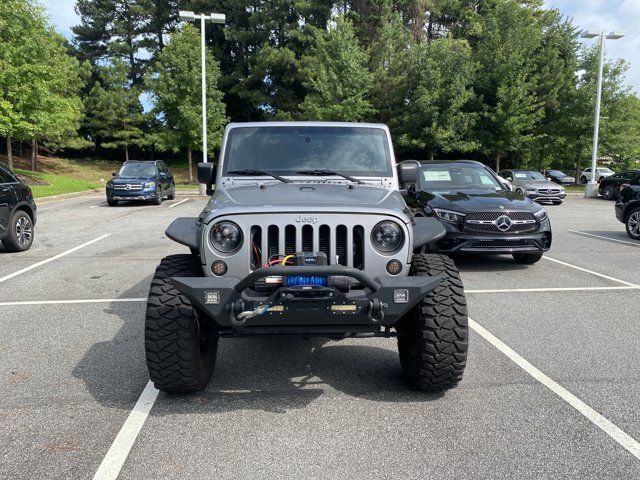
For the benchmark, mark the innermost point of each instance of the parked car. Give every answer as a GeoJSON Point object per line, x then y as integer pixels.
{"type": "Point", "coordinates": [141, 180]}
{"type": "Point", "coordinates": [480, 214]}
{"type": "Point", "coordinates": [534, 185]}
{"type": "Point", "coordinates": [609, 187]}
{"type": "Point", "coordinates": [601, 173]}
{"type": "Point", "coordinates": [628, 208]}
{"type": "Point", "coordinates": [17, 212]}
{"type": "Point", "coordinates": [559, 177]}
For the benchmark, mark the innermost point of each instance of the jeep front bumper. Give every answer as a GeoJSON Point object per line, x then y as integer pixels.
{"type": "Point", "coordinates": [234, 306]}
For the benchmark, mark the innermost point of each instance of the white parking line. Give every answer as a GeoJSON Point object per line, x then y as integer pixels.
{"type": "Point", "coordinates": [552, 289]}
{"type": "Point", "coordinates": [69, 302]}
{"type": "Point", "coordinates": [60, 255]}
{"type": "Point", "coordinates": [616, 433]}
{"type": "Point", "coordinates": [635, 244]}
{"type": "Point", "coordinates": [606, 277]}
{"type": "Point", "coordinates": [112, 463]}
{"type": "Point", "coordinates": [181, 201]}
{"type": "Point", "coordinates": [98, 205]}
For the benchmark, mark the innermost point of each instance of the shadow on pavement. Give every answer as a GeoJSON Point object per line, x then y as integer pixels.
{"type": "Point", "coordinates": [273, 374]}
{"type": "Point", "coordinates": [487, 263]}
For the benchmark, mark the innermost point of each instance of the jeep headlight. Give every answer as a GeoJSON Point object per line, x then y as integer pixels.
{"type": "Point", "coordinates": [541, 214]}
{"type": "Point", "coordinates": [226, 237]}
{"type": "Point", "coordinates": [149, 184]}
{"type": "Point", "coordinates": [387, 236]}
{"type": "Point", "coordinates": [449, 216]}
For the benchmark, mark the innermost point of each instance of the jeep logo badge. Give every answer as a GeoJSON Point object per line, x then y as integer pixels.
{"type": "Point", "coordinates": [307, 219]}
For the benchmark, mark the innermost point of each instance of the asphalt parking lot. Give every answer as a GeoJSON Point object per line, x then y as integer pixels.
{"type": "Point", "coordinates": [551, 390]}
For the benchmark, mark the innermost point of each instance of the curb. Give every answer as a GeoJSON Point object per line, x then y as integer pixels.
{"type": "Point", "coordinates": [63, 196]}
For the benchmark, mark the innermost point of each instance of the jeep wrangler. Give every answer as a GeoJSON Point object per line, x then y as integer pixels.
{"type": "Point", "coordinates": [306, 234]}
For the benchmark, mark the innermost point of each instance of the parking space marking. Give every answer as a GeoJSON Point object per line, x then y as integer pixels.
{"type": "Point", "coordinates": [60, 255]}
{"type": "Point", "coordinates": [601, 275]}
{"type": "Point", "coordinates": [616, 433]}
{"type": "Point", "coordinates": [98, 205]}
{"type": "Point", "coordinates": [70, 302]}
{"type": "Point", "coordinates": [552, 289]}
{"type": "Point", "coordinates": [113, 461]}
{"type": "Point", "coordinates": [178, 203]}
{"type": "Point", "coordinates": [577, 232]}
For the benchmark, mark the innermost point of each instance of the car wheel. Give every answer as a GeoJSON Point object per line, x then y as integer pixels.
{"type": "Point", "coordinates": [583, 179]}
{"type": "Point", "coordinates": [172, 194]}
{"type": "Point", "coordinates": [607, 192]}
{"type": "Point", "coordinates": [112, 203]}
{"type": "Point", "coordinates": [20, 232]}
{"type": "Point", "coordinates": [527, 258]}
{"type": "Point", "coordinates": [433, 336]}
{"type": "Point", "coordinates": [180, 342]}
{"type": "Point", "coordinates": [158, 199]}
{"type": "Point", "coordinates": [633, 224]}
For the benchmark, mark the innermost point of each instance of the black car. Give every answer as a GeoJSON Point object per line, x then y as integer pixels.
{"type": "Point", "coordinates": [17, 212]}
{"type": "Point", "coordinates": [479, 212]}
{"type": "Point", "coordinates": [609, 187]}
{"type": "Point", "coordinates": [559, 177]}
{"type": "Point", "coordinates": [141, 180]}
{"type": "Point", "coordinates": [628, 208]}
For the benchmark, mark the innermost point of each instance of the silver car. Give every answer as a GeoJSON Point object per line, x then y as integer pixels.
{"type": "Point", "coordinates": [534, 185]}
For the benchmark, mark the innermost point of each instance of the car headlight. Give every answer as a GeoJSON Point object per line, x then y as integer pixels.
{"type": "Point", "coordinates": [149, 184]}
{"type": "Point", "coordinates": [541, 214]}
{"type": "Point", "coordinates": [530, 189]}
{"type": "Point", "coordinates": [449, 216]}
{"type": "Point", "coordinates": [387, 236]}
{"type": "Point", "coordinates": [226, 237]}
{"type": "Point", "coordinates": [109, 184]}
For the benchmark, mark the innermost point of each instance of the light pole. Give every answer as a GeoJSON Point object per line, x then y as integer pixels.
{"type": "Point", "coordinates": [591, 188]}
{"type": "Point", "coordinates": [220, 18]}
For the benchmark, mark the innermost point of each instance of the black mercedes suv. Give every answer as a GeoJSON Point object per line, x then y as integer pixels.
{"type": "Point", "coordinates": [17, 212]}
{"type": "Point", "coordinates": [479, 212]}
{"type": "Point", "coordinates": [628, 207]}
{"type": "Point", "coordinates": [141, 180]}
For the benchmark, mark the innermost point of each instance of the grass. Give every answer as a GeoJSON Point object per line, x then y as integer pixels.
{"type": "Point", "coordinates": [56, 184]}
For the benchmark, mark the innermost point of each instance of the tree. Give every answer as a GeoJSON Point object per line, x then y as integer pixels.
{"type": "Point", "coordinates": [39, 82]}
{"type": "Point", "coordinates": [439, 90]}
{"type": "Point", "coordinates": [115, 114]}
{"type": "Point", "coordinates": [176, 88]}
{"type": "Point", "coordinates": [338, 78]}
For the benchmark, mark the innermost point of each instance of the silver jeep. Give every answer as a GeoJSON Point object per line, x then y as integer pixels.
{"type": "Point", "coordinates": [305, 234]}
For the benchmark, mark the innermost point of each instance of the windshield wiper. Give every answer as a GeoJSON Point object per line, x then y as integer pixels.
{"type": "Point", "coordinates": [318, 172]}
{"type": "Point", "coordinates": [251, 173]}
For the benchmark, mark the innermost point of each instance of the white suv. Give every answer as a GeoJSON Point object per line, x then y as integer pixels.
{"type": "Point", "coordinates": [601, 172]}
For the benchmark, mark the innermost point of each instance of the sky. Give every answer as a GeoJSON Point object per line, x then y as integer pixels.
{"type": "Point", "coordinates": [604, 15]}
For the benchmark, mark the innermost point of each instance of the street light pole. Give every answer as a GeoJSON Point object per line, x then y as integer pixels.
{"type": "Point", "coordinates": [591, 188]}
{"type": "Point", "coordinates": [213, 18]}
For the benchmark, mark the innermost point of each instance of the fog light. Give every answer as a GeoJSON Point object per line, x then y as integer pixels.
{"type": "Point", "coordinates": [394, 267]}
{"type": "Point", "coordinates": [212, 297]}
{"type": "Point", "coordinates": [219, 268]}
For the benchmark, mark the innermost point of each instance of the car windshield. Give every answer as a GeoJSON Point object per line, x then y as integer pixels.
{"type": "Point", "coordinates": [456, 177]}
{"type": "Point", "coordinates": [605, 170]}
{"type": "Point", "coordinates": [557, 173]}
{"type": "Point", "coordinates": [359, 151]}
{"type": "Point", "coordinates": [137, 170]}
{"type": "Point", "coordinates": [528, 175]}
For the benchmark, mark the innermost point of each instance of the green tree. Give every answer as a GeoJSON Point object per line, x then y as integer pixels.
{"type": "Point", "coordinates": [115, 113]}
{"type": "Point", "coordinates": [339, 80]}
{"type": "Point", "coordinates": [437, 113]}
{"type": "Point", "coordinates": [176, 88]}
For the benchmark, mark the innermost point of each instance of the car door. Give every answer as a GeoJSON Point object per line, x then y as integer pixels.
{"type": "Point", "coordinates": [164, 176]}
{"type": "Point", "coordinates": [7, 200]}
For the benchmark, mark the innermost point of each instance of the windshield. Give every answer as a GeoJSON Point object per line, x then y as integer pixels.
{"type": "Point", "coordinates": [138, 170]}
{"type": "Point", "coordinates": [359, 151]}
{"type": "Point", "coordinates": [605, 170]}
{"type": "Point", "coordinates": [557, 173]}
{"type": "Point", "coordinates": [456, 177]}
{"type": "Point", "coordinates": [528, 175]}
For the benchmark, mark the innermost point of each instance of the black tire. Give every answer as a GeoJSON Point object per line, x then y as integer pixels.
{"type": "Point", "coordinates": [583, 179]}
{"type": "Point", "coordinates": [433, 336]}
{"type": "Point", "coordinates": [112, 203]}
{"type": "Point", "coordinates": [607, 193]}
{"type": "Point", "coordinates": [633, 224]}
{"type": "Point", "coordinates": [159, 198]}
{"type": "Point", "coordinates": [172, 194]}
{"type": "Point", "coordinates": [21, 232]}
{"type": "Point", "coordinates": [180, 342]}
{"type": "Point", "coordinates": [527, 258]}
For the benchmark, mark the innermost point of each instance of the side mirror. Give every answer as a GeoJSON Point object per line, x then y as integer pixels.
{"type": "Point", "coordinates": [113, 174]}
{"type": "Point", "coordinates": [509, 179]}
{"type": "Point", "coordinates": [408, 172]}
{"type": "Point", "coordinates": [207, 175]}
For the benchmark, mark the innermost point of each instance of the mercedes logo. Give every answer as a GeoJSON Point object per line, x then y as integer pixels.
{"type": "Point", "coordinates": [128, 187]}
{"type": "Point", "coordinates": [503, 223]}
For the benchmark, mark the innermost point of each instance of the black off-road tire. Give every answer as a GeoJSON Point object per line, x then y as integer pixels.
{"type": "Point", "coordinates": [112, 203]}
{"type": "Point", "coordinates": [21, 232]}
{"type": "Point", "coordinates": [180, 343]}
{"type": "Point", "coordinates": [433, 336]}
{"type": "Point", "coordinates": [527, 258]}
{"type": "Point", "coordinates": [172, 193]}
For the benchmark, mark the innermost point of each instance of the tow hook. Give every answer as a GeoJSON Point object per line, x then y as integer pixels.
{"type": "Point", "coordinates": [376, 312]}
